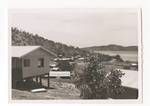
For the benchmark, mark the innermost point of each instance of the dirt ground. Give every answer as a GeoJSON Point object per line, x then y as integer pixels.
{"type": "Point", "coordinates": [59, 89]}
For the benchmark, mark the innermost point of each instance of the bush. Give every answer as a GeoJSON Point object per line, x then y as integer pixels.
{"type": "Point", "coordinates": [64, 65]}
{"type": "Point", "coordinates": [96, 82]}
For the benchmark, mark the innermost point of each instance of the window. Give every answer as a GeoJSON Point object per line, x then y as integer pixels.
{"type": "Point", "coordinates": [41, 62]}
{"type": "Point", "coordinates": [26, 62]}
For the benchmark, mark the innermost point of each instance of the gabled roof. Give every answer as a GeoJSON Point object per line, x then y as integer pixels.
{"type": "Point", "coordinates": [20, 51]}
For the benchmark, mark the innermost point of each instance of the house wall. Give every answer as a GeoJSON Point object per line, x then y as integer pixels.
{"type": "Point", "coordinates": [34, 70]}
{"type": "Point", "coordinates": [16, 71]}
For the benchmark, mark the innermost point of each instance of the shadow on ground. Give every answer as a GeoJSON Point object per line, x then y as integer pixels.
{"type": "Point", "coordinates": [129, 93]}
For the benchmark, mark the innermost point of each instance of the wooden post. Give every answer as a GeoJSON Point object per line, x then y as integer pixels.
{"type": "Point", "coordinates": [40, 80]}
{"type": "Point", "coordinates": [48, 81]}
{"type": "Point", "coordinates": [37, 79]}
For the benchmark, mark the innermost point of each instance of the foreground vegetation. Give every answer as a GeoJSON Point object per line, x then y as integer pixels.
{"type": "Point", "coordinates": [95, 82]}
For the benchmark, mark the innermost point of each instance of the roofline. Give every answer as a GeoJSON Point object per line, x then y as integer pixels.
{"type": "Point", "coordinates": [38, 48]}
{"type": "Point", "coordinates": [48, 51]}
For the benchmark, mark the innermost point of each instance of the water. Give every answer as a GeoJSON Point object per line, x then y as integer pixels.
{"type": "Point", "coordinates": [125, 55]}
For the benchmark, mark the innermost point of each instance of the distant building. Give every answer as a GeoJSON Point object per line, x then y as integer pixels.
{"type": "Point", "coordinates": [63, 59]}
{"type": "Point", "coordinates": [29, 62]}
{"type": "Point", "coordinates": [134, 66]}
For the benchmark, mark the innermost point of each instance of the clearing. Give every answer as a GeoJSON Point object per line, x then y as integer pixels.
{"type": "Point", "coordinates": [59, 89]}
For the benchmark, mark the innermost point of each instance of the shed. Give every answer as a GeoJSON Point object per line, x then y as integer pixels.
{"type": "Point", "coordinates": [30, 62]}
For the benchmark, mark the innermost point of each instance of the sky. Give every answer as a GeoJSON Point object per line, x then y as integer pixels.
{"type": "Point", "coordinates": [83, 27]}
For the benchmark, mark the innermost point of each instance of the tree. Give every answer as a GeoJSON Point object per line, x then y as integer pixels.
{"type": "Point", "coordinates": [96, 82]}
{"type": "Point", "coordinates": [118, 58]}
{"type": "Point", "coordinates": [64, 65]}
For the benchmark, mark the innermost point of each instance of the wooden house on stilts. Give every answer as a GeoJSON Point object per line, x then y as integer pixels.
{"type": "Point", "coordinates": [30, 62]}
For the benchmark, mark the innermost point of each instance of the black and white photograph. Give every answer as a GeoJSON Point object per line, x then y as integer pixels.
{"type": "Point", "coordinates": [75, 54]}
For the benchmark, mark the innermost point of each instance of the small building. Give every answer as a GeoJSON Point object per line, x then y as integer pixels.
{"type": "Point", "coordinates": [134, 66]}
{"type": "Point", "coordinates": [30, 62]}
{"type": "Point", "coordinates": [130, 85]}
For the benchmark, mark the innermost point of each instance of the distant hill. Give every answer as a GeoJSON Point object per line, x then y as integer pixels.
{"type": "Point", "coordinates": [23, 38]}
{"type": "Point", "coordinates": [111, 47]}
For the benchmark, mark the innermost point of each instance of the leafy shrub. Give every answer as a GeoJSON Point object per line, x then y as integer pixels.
{"type": "Point", "coordinates": [64, 65]}
{"type": "Point", "coordinates": [96, 82]}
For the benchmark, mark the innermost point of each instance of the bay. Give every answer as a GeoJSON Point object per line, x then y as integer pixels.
{"type": "Point", "coordinates": [125, 55]}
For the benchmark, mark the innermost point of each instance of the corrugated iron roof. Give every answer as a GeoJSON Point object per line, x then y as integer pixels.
{"type": "Point", "coordinates": [130, 79]}
{"type": "Point", "coordinates": [19, 51]}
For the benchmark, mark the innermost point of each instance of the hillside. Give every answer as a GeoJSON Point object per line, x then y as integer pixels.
{"type": "Point", "coordinates": [23, 38]}
{"type": "Point", "coordinates": [111, 48]}
{"type": "Point", "coordinates": [59, 89]}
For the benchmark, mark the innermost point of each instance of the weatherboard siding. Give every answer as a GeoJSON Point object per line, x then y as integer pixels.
{"type": "Point", "coordinates": [33, 69]}
{"type": "Point", "coordinates": [16, 71]}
